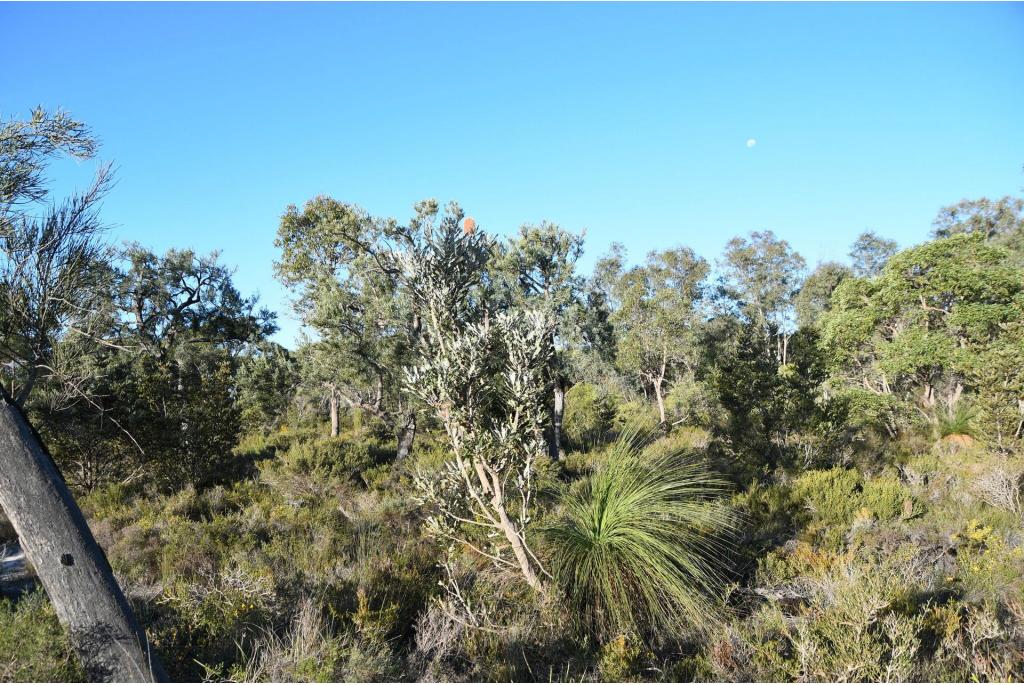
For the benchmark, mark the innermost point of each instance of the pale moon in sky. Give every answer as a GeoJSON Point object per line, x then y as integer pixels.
{"type": "Point", "coordinates": [751, 142]}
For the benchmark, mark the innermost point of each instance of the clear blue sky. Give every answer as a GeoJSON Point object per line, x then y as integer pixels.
{"type": "Point", "coordinates": [629, 121]}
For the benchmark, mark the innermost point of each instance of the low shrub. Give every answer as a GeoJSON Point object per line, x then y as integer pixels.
{"type": "Point", "coordinates": [589, 415]}
{"type": "Point", "coordinates": [33, 646]}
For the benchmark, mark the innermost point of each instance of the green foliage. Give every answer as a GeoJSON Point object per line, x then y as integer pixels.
{"type": "Point", "coordinates": [267, 379]}
{"type": "Point", "coordinates": [836, 494]}
{"type": "Point", "coordinates": [636, 543]}
{"type": "Point", "coordinates": [761, 276]}
{"type": "Point", "coordinates": [589, 415]}
{"type": "Point", "coordinates": [958, 420]}
{"type": "Point", "coordinates": [655, 317]}
{"type": "Point", "coordinates": [33, 646]}
{"type": "Point", "coordinates": [636, 416]}
{"type": "Point", "coordinates": [869, 254]}
{"type": "Point", "coordinates": [816, 292]}
{"type": "Point", "coordinates": [938, 321]}
{"type": "Point", "coordinates": [867, 420]}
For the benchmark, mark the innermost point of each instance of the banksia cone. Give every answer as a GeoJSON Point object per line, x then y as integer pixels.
{"type": "Point", "coordinates": [469, 226]}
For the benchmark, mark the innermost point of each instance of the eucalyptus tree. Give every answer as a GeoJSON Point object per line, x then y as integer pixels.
{"type": "Point", "coordinates": [993, 219]}
{"type": "Point", "coordinates": [812, 300]}
{"type": "Point", "coordinates": [656, 311]}
{"type": "Point", "coordinates": [1000, 221]}
{"type": "Point", "coordinates": [869, 254]}
{"type": "Point", "coordinates": [339, 261]}
{"type": "Point", "coordinates": [762, 275]}
{"type": "Point", "coordinates": [541, 264]}
{"type": "Point", "coordinates": [941, 319]}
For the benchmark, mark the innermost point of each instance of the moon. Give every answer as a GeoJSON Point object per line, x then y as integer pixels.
{"type": "Point", "coordinates": [751, 142]}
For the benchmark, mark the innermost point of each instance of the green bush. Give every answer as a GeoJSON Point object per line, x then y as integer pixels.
{"type": "Point", "coordinates": [636, 416]}
{"type": "Point", "coordinates": [33, 646]}
{"type": "Point", "coordinates": [835, 495]}
{"type": "Point", "coordinates": [589, 415]}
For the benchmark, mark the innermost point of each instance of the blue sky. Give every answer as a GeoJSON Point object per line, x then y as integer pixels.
{"type": "Point", "coordinates": [627, 120]}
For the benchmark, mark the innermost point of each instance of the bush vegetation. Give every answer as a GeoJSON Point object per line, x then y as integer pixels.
{"type": "Point", "coordinates": [829, 485]}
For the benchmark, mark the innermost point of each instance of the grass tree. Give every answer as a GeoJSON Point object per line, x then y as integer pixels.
{"type": "Point", "coordinates": [638, 544]}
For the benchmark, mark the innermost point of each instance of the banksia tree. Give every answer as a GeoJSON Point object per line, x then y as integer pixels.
{"type": "Point", "coordinates": [483, 377]}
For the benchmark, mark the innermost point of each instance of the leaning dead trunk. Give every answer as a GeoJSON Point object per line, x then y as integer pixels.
{"type": "Point", "coordinates": [70, 565]}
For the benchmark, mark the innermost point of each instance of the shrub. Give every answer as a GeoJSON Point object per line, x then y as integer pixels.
{"type": "Point", "coordinates": [589, 414]}
{"type": "Point", "coordinates": [635, 545]}
{"type": "Point", "coordinates": [836, 494]}
{"type": "Point", "coordinates": [693, 403]}
{"type": "Point", "coordinates": [33, 646]}
{"type": "Point", "coordinates": [832, 495]}
{"type": "Point", "coordinates": [636, 416]}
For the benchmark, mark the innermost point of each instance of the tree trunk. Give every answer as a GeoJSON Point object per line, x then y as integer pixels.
{"type": "Point", "coordinates": [22, 397]}
{"type": "Point", "coordinates": [661, 400]}
{"type": "Point", "coordinates": [70, 565]}
{"type": "Point", "coordinates": [555, 448]}
{"type": "Point", "coordinates": [406, 437]}
{"type": "Point", "coordinates": [334, 414]}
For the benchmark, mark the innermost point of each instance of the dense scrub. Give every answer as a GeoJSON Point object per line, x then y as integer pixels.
{"type": "Point", "coordinates": [316, 568]}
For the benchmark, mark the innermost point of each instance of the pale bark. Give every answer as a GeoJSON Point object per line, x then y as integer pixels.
{"type": "Point", "coordinates": [70, 565]}
{"type": "Point", "coordinates": [334, 414]}
{"type": "Point", "coordinates": [558, 411]}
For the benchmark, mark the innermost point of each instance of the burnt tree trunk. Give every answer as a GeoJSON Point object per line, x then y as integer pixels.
{"type": "Point", "coordinates": [406, 437]}
{"type": "Point", "coordinates": [70, 565]}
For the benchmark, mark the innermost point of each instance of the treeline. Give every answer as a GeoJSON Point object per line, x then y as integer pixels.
{"type": "Point", "coordinates": [139, 365]}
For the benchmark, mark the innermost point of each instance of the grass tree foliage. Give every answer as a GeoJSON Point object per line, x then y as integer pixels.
{"type": "Point", "coordinates": [639, 545]}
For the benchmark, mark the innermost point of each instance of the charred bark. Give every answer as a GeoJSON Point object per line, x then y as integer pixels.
{"type": "Point", "coordinates": [406, 437]}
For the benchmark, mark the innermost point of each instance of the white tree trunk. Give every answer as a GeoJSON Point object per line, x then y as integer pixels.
{"type": "Point", "coordinates": [660, 398]}
{"type": "Point", "coordinates": [558, 411]}
{"type": "Point", "coordinates": [334, 414]}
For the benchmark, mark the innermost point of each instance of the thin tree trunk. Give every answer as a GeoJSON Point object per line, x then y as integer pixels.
{"type": "Point", "coordinates": [70, 565]}
{"type": "Point", "coordinates": [406, 437]}
{"type": "Point", "coordinates": [555, 448]}
{"type": "Point", "coordinates": [22, 397]}
{"type": "Point", "coordinates": [661, 400]}
{"type": "Point", "coordinates": [334, 414]}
